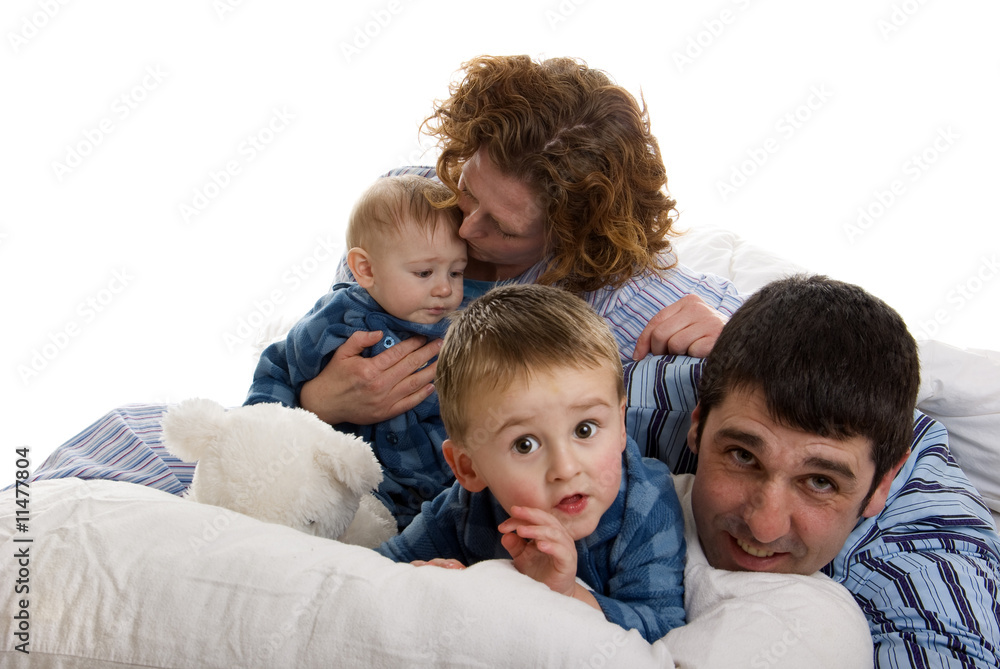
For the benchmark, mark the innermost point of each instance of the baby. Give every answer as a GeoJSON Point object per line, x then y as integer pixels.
{"type": "Point", "coordinates": [408, 261]}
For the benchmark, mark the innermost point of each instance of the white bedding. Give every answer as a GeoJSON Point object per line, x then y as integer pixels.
{"type": "Point", "coordinates": [121, 575]}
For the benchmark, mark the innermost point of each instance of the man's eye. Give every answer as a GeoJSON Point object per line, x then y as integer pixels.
{"type": "Point", "coordinates": [742, 456]}
{"type": "Point", "coordinates": [822, 484]}
{"type": "Point", "coordinates": [585, 430]}
{"type": "Point", "coordinates": [525, 445]}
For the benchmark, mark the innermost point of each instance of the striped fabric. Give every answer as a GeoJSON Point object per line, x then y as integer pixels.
{"type": "Point", "coordinates": [124, 445]}
{"type": "Point", "coordinates": [926, 571]}
{"type": "Point", "coordinates": [660, 394]}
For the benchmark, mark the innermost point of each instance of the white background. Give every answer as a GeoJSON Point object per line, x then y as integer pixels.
{"type": "Point", "coordinates": [112, 295]}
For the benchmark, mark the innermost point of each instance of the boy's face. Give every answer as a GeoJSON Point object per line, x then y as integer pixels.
{"type": "Point", "coordinates": [417, 277]}
{"type": "Point", "coordinates": [553, 442]}
{"type": "Point", "coordinates": [767, 497]}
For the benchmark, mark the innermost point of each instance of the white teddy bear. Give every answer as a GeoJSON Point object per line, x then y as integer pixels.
{"type": "Point", "coordinates": [281, 465]}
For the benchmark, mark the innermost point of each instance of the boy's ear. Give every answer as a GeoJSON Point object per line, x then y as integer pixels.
{"type": "Point", "coordinates": [693, 430]}
{"type": "Point", "coordinates": [624, 410]}
{"type": "Point", "coordinates": [881, 494]}
{"type": "Point", "coordinates": [360, 264]}
{"type": "Point", "coordinates": [462, 466]}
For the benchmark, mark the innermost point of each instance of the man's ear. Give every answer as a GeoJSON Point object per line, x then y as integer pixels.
{"type": "Point", "coordinates": [881, 494]}
{"type": "Point", "coordinates": [462, 466]}
{"type": "Point", "coordinates": [360, 264]}
{"type": "Point", "coordinates": [693, 430]}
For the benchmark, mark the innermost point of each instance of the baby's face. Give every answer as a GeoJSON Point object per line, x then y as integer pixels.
{"type": "Point", "coordinates": [418, 277]}
{"type": "Point", "coordinates": [553, 442]}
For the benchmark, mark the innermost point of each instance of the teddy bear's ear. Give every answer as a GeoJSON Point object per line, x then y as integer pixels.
{"type": "Point", "coordinates": [191, 427]}
{"type": "Point", "coordinates": [350, 460]}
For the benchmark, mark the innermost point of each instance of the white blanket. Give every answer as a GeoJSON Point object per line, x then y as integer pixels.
{"type": "Point", "coordinates": [127, 576]}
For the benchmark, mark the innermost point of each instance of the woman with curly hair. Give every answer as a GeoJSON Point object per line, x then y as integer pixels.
{"type": "Point", "coordinates": [561, 183]}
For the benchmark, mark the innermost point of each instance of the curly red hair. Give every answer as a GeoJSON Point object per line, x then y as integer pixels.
{"type": "Point", "coordinates": [582, 144]}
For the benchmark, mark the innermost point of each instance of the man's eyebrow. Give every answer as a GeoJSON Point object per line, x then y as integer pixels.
{"type": "Point", "coordinates": [832, 466]}
{"type": "Point", "coordinates": [748, 439]}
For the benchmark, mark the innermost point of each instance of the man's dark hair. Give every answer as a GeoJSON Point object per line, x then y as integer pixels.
{"type": "Point", "coordinates": [830, 359]}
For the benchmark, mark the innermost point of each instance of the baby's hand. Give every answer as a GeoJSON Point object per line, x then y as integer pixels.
{"type": "Point", "coordinates": [439, 562]}
{"type": "Point", "coordinates": [541, 548]}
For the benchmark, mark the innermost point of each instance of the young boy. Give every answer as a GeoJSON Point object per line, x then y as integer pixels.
{"type": "Point", "coordinates": [408, 261]}
{"type": "Point", "coordinates": [530, 385]}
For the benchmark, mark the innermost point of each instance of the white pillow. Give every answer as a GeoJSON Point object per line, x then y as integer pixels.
{"type": "Point", "coordinates": [718, 251]}
{"type": "Point", "coordinates": [127, 576]}
{"type": "Point", "coordinates": [961, 389]}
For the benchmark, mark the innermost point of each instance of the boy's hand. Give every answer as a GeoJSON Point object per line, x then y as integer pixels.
{"type": "Point", "coordinates": [541, 548]}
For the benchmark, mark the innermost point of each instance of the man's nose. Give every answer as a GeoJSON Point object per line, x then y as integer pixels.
{"type": "Point", "coordinates": [768, 514]}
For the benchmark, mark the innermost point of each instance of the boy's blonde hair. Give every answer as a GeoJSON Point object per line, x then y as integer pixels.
{"type": "Point", "coordinates": [511, 332]}
{"type": "Point", "coordinates": [384, 208]}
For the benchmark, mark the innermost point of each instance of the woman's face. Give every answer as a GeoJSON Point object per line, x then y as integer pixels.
{"type": "Point", "coordinates": [502, 221]}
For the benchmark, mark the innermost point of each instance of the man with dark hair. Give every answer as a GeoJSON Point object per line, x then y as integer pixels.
{"type": "Point", "coordinates": [803, 432]}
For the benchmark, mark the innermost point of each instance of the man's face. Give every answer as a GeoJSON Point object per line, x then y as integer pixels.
{"type": "Point", "coordinates": [767, 497]}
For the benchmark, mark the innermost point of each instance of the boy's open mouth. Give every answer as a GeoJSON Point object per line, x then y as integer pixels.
{"type": "Point", "coordinates": [572, 504]}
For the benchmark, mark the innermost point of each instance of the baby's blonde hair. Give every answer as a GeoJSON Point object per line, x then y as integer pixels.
{"type": "Point", "coordinates": [386, 206]}
{"type": "Point", "coordinates": [511, 332]}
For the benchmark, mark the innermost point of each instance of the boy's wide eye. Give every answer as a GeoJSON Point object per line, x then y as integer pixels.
{"type": "Point", "coordinates": [525, 445]}
{"type": "Point", "coordinates": [585, 430]}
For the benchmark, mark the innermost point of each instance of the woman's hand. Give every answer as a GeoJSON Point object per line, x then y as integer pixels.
{"type": "Point", "coordinates": [686, 327]}
{"type": "Point", "coordinates": [363, 391]}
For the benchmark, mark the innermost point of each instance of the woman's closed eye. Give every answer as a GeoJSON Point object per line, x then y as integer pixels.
{"type": "Point", "coordinates": [500, 231]}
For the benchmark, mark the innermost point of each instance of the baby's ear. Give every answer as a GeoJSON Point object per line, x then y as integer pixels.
{"type": "Point", "coordinates": [462, 466]}
{"type": "Point", "coordinates": [360, 264]}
